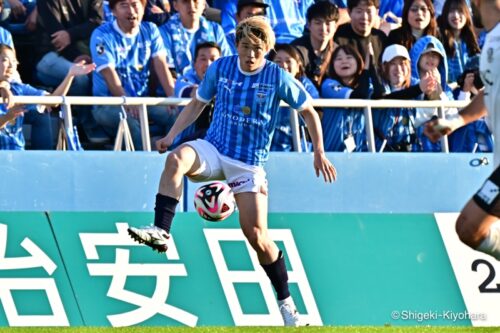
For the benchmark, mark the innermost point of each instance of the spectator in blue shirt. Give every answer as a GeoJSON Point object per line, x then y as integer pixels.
{"type": "Point", "coordinates": [124, 51]}
{"type": "Point", "coordinates": [187, 28]}
{"type": "Point", "coordinates": [394, 127]}
{"type": "Point", "coordinates": [349, 77]}
{"type": "Point", "coordinates": [245, 9]}
{"type": "Point", "coordinates": [11, 119]}
{"type": "Point", "coordinates": [288, 18]}
{"type": "Point", "coordinates": [289, 58]}
{"type": "Point", "coordinates": [186, 86]}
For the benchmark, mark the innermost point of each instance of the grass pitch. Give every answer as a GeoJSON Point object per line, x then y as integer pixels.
{"type": "Point", "coordinates": [325, 329]}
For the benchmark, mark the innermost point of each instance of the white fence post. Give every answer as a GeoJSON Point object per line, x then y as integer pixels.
{"type": "Point", "coordinates": [370, 138]}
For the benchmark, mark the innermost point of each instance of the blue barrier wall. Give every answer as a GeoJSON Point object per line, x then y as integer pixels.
{"type": "Point", "coordinates": [127, 182]}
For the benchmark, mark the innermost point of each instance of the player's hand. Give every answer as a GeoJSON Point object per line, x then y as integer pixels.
{"type": "Point", "coordinates": [15, 111]}
{"type": "Point", "coordinates": [132, 110]}
{"type": "Point", "coordinates": [156, 10]}
{"type": "Point", "coordinates": [81, 68]}
{"type": "Point", "coordinates": [436, 128]}
{"type": "Point", "coordinates": [163, 144]}
{"type": "Point", "coordinates": [323, 165]}
{"type": "Point", "coordinates": [83, 57]}
{"type": "Point", "coordinates": [17, 8]}
{"type": "Point", "coordinates": [427, 83]}
{"type": "Point", "coordinates": [30, 22]}
{"type": "Point", "coordinates": [60, 39]}
{"type": "Point", "coordinates": [468, 82]}
{"type": "Point", "coordinates": [6, 95]}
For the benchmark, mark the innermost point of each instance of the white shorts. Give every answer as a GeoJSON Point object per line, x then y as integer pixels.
{"type": "Point", "coordinates": [241, 177]}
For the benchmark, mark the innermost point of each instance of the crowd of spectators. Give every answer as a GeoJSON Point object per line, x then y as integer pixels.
{"type": "Point", "coordinates": [339, 49]}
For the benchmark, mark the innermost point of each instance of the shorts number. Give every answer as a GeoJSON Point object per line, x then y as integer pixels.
{"type": "Point", "coordinates": [483, 287]}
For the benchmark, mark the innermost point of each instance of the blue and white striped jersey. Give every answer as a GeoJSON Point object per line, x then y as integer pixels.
{"type": "Point", "coordinates": [246, 106]}
{"type": "Point", "coordinates": [129, 55]}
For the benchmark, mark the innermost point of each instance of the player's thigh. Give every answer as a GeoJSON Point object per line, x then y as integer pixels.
{"type": "Point", "coordinates": [206, 165]}
{"type": "Point", "coordinates": [474, 220]}
{"type": "Point", "coordinates": [183, 158]}
{"type": "Point", "coordinates": [483, 209]}
{"type": "Point", "coordinates": [252, 208]}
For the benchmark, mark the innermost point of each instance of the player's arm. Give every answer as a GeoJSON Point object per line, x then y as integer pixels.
{"type": "Point", "coordinates": [476, 109]}
{"type": "Point", "coordinates": [189, 114]}
{"type": "Point", "coordinates": [321, 163]}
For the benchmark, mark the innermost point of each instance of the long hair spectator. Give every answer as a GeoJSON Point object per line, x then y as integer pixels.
{"type": "Point", "coordinates": [419, 19]}
{"type": "Point", "coordinates": [289, 58]}
{"type": "Point", "coordinates": [458, 37]}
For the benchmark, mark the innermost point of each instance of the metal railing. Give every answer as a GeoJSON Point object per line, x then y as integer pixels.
{"type": "Point", "coordinates": [367, 105]}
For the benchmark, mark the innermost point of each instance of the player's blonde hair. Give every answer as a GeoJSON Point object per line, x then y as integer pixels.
{"type": "Point", "coordinates": [256, 28]}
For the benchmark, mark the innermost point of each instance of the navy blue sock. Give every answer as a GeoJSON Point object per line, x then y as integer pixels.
{"type": "Point", "coordinates": [165, 211]}
{"type": "Point", "coordinates": [278, 276]}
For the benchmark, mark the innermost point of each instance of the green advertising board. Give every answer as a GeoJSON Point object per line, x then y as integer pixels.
{"type": "Point", "coordinates": [344, 269]}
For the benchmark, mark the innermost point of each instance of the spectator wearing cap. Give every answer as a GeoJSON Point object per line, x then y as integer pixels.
{"type": "Point", "coordinates": [245, 9]}
{"type": "Point", "coordinates": [187, 28]}
{"type": "Point", "coordinates": [394, 127]}
{"type": "Point", "coordinates": [360, 32]}
{"type": "Point", "coordinates": [316, 46]}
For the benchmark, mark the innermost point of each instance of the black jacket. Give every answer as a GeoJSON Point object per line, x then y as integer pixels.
{"type": "Point", "coordinates": [78, 17]}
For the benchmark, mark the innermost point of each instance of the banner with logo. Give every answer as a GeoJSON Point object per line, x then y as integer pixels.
{"type": "Point", "coordinates": [344, 269]}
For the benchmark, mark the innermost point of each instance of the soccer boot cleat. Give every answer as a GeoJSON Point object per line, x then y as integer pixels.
{"type": "Point", "coordinates": [289, 312]}
{"type": "Point", "coordinates": [152, 236]}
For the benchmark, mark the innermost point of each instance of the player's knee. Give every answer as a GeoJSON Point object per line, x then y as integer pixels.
{"type": "Point", "coordinates": [174, 162]}
{"type": "Point", "coordinates": [257, 239]}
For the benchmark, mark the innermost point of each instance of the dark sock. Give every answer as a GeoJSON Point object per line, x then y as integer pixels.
{"type": "Point", "coordinates": [165, 211]}
{"type": "Point", "coordinates": [278, 276]}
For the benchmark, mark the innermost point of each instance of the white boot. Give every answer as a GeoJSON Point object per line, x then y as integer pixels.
{"type": "Point", "coordinates": [289, 312]}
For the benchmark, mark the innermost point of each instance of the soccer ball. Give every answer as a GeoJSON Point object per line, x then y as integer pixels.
{"type": "Point", "coordinates": [214, 201]}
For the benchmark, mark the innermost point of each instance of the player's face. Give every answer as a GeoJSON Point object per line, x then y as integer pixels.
{"type": "Point", "coordinates": [128, 14]}
{"type": "Point", "coordinates": [205, 57]}
{"type": "Point", "coordinates": [399, 71]}
{"type": "Point", "coordinates": [419, 15]}
{"type": "Point", "coordinates": [288, 63]}
{"type": "Point", "coordinates": [456, 18]}
{"type": "Point", "coordinates": [322, 30]}
{"type": "Point", "coordinates": [345, 65]}
{"type": "Point", "coordinates": [8, 64]}
{"type": "Point", "coordinates": [362, 18]}
{"type": "Point", "coordinates": [429, 61]}
{"type": "Point", "coordinates": [252, 54]}
{"type": "Point", "coordinates": [189, 10]}
{"type": "Point", "coordinates": [249, 11]}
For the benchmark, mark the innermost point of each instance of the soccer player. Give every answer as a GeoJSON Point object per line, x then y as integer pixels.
{"type": "Point", "coordinates": [475, 225]}
{"type": "Point", "coordinates": [236, 146]}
